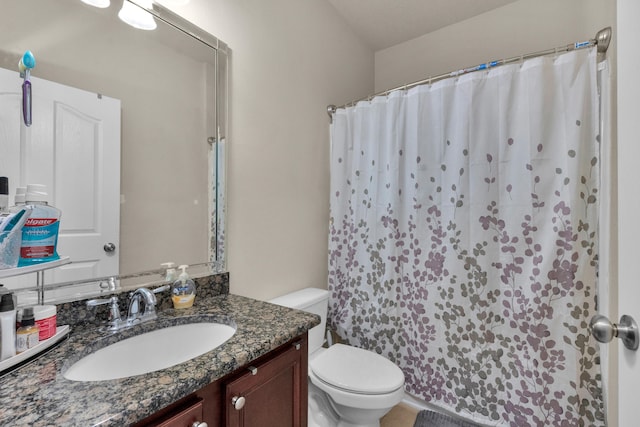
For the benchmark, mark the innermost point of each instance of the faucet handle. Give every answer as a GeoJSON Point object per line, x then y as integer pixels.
{"type": "Point", "coordinates": [114, 311]}
{"type": "Point", "coordinates": [96, 302]}
{"type": "Point", "coordinates": [161, 289]}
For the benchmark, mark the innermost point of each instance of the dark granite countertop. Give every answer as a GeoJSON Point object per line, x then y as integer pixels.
{"type": "Point", "coordinates": [38, 395]}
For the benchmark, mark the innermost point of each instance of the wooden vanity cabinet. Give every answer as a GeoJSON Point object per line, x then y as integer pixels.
{"type": "Point", "coordinates": [270, 392]}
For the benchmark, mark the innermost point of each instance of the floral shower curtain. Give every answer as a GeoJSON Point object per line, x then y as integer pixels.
{"type": "Point", "coordinates": [463, 239]}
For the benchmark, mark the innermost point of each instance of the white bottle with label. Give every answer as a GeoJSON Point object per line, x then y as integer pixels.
{"type": "Point", "coordinates": [7, 327]}
{"type": "Point", "coordinates": [40, 232]}
{"type": "Point", "coordinates": [4, 194]}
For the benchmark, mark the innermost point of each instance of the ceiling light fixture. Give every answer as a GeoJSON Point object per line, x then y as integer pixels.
{"type": "Point", "coordinates": [136, 16]}
{"type": "Point", "coordinates": [169, 3]}
{"type": "Point", "coordinates": [98, 3]}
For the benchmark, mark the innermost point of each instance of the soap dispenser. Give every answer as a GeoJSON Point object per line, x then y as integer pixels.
{"type": "Point", "coordinates": [183, 290]}
{"type": "Point", "coordinates": [170, 272]}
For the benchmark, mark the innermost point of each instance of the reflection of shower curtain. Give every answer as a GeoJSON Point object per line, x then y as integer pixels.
{"type": "Point", "coordinates": [463, 239]}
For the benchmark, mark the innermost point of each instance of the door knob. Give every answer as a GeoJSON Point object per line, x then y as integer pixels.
{"type": "Point", "coordinates": [199, 424]}
{"type": "Point", "coordinates": [604, 331]}
{"type": "Point", "coordinates": [238, 402]}
{"type": "Point", "coordinates": [109, 247]}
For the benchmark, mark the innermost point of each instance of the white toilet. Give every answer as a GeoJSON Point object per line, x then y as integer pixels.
{"type": "Point", "coordinates": [349, 386]}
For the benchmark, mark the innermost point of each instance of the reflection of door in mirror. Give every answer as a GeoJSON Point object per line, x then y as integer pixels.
{"type": "Point", "coordinates": [73, 147]}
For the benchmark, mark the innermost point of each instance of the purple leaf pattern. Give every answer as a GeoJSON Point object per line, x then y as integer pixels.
{"type": "Point", "coordinates": [467, 253]}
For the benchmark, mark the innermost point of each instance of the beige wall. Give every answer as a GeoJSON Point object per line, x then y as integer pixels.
{"type": "Point", "coordinates": [289, 60]}
{"type": "Point", "coordinates": [522, 27]}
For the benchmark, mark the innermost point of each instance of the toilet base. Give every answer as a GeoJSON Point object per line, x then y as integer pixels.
{"type": "Point", "coordinates": [364, 417]}
{"type": "Point", "coordinates": [323, 412]}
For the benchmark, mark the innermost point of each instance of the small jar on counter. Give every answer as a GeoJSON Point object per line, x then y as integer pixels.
{"type": "Point", "coordinates": [45, 316]}
{"type": "Point", "coordinates": [28, 334]}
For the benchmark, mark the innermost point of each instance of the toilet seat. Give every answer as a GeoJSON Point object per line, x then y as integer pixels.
{"type": "Point", "coordinates": [355, 370]}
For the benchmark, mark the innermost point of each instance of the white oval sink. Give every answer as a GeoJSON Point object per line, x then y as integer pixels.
{"type": "Point", "coordinates": [149, 352]}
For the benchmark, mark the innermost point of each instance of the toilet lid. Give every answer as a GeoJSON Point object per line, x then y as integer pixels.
{"type": "Point", "coordinates": [357, 370]}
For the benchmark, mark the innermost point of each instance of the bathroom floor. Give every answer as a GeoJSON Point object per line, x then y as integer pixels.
{"type": "Point", "coordinates": [400, 416]}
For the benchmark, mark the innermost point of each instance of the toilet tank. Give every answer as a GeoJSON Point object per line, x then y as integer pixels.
{"type": "Point", "coordinates": [314, 301]}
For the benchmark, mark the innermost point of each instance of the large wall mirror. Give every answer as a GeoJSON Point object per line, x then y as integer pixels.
{"type": "Point", "coordinates": [169, 87]}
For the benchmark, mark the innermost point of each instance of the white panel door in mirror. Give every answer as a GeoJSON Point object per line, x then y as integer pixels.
{"type": "Point", "coordinates": [73, 146]}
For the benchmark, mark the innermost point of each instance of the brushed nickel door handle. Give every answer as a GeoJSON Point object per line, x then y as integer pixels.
{"type": "Point", "coordinates": [627, 330]}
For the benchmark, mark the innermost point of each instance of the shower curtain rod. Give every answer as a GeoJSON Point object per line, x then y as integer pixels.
{"type": "Point", "coordinates": [602, 40]}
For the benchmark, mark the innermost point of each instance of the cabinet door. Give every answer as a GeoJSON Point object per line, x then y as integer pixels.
{"type": "Point", "coordinates": [272, 393]}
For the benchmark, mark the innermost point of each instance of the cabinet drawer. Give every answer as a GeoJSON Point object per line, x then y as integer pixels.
{"type": "Point", "coordinates": [181, 417]}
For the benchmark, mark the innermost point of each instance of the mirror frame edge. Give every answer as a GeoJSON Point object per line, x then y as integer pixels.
{"type": "Point", "coordinates": [217, 230]}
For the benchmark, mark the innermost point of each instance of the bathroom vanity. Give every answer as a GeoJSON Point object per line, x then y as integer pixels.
{"type": "Point", "coordinates": [260, 373]}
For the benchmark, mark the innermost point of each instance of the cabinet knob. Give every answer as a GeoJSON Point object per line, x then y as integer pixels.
{"type": "Point", "coordinates": [238, 402]}
{"type": "Point", "coordinates": [199, 424]}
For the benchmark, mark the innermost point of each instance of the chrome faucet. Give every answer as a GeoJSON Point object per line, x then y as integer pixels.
{"type": "Point", "coordinates": [142, 296]}
{"type": "Point", "coordinates": [139, 297]}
